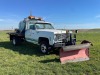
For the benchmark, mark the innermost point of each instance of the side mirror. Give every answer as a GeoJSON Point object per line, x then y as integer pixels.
{"type": "Point", "coordinates": [76, 31]}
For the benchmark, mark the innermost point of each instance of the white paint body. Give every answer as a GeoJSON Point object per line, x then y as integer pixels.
{"type": "Point", "coordinates": [33, 35]}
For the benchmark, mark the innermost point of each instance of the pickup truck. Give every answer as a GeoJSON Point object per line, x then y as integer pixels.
{"type": "Point", "coordinates": [35, 30]}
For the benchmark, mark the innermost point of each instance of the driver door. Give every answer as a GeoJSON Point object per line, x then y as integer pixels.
{"type": "Point", "coordinates": [32, 37]}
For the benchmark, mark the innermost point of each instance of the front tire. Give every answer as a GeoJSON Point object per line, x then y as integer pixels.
{"type": "Point", "coordinates": [44, 47]}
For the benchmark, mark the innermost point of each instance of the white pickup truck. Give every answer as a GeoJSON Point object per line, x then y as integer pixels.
{"type": "Point", "coordinates": [37, 31]}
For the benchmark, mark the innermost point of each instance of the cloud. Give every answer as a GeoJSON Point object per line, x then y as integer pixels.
{"type": "Point", "coordinates": [98, 16]}
{"type": "Point", "coordinates": [77, 26]}
{"type": "Point", "coordinates": [1, 20]}
{"type": "Point", "coordinates": [8, 20]}
{"type": "Point", "coordinates": [14, 16]}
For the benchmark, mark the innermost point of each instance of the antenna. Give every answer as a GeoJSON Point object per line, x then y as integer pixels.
{"type": "Point", "coordinates": [30, 13]}
{"type": "Point", "coordinates": [31, 17]}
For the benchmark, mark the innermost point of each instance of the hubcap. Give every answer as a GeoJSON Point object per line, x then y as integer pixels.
{"type": "Point", "coordinates": [43, 48]}
{"type": "Point", "coordinates": [14, 42]}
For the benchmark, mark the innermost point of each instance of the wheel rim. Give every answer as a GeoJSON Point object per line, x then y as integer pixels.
{"type": "Point", "coordinates": [73, 42]}
{"type": "Point", "coordinates": [43, 48]}
{"type": "Point", "coordinates": [14, 42]}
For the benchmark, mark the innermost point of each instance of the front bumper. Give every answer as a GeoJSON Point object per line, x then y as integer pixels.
{"type": "Point", "coordinates": [59, 44]}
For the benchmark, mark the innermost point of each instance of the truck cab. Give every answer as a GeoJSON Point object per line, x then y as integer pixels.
{"type": "Point", "coordinates": [35, 31]}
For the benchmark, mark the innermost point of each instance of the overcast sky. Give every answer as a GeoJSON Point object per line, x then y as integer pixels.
{"type": "Point", "coordinates": [70, 14]}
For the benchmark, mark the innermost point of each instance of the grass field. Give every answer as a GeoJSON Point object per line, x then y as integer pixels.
{"type": "Point", "coordinates": [27, 60]}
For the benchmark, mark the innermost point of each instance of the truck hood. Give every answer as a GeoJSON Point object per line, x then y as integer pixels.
{"type": "Point", "coordinates": [55, 31]}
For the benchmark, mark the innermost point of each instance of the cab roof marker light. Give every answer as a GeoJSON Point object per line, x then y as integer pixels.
{"type": "Point", "coordinates": [31, 17]}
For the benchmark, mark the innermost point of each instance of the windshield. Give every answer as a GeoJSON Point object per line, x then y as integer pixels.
{"type": "Point", "coordinates": [43, 26]}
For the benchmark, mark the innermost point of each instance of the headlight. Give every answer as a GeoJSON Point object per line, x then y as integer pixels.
{"type": "Point", "coordinates": [55, 37]}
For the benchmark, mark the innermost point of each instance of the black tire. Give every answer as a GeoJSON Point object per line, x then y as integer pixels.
{"type": "Point", "coordinates": [44, 47]}
{"type": "Point", "coordinates": [73, 42]}
{"type": "Point", "coordinates": [15, 41]}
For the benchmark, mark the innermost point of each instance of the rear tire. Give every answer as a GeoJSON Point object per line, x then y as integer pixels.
{"type": "Point", "coordinates": [44, 47]}
{"type": "Point", "coordinates": [15, 41]}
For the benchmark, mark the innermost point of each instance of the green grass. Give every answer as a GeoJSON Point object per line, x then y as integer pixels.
{"type": "Point", "coordinates": [27, 60]}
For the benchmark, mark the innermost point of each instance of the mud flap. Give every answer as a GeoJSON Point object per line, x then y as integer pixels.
{"type": "Point", "coordinates": [74, 55]}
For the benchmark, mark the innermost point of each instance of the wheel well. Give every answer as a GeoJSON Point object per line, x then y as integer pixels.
{"type": "Point", "coordinates": [43, 39]}
{"type": "Point", "coordinates": [11, 37]}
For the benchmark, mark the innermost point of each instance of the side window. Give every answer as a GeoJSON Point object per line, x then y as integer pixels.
{"type": "Point", "coordinates": [32, 27]}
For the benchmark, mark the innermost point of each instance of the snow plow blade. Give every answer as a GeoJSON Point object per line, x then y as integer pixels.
{"type": "Point", "coordinates": [74, 53]}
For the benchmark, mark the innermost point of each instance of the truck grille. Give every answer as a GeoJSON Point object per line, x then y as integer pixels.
{"type": "Point", "coordinates": [60, 37]}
